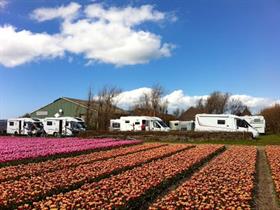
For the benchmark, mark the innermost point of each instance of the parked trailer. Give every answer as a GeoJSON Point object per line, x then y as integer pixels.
{"type": "Point", "coordinates": [257, 122]}
{"type": "Point", "coordinates": [138, 123]}
{"type": "Point", "coordinates": [223, 122]}
{"type": "Point", "coordinates": [177, 125]}
{"type": "Point", "coordinates": [3, 127]}
{"type": "Point", "coordinates": [25, 126]}
{"type": "Point", "coordinates": [63, 126]}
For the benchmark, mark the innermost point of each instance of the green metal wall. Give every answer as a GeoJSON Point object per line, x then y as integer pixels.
{"type": "Point", "coordinates": [69, 109]}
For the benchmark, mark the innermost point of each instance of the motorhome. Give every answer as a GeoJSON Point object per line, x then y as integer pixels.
{"type": "Point", "coordinates": [138, 123]}
{"type": "Point", "coordinates": [223, 122]}
{"type": "Point", "coordinates": [3, 127]}
{"type": "Point", "coordinates": [25, 126]}
{"type": "Point", "coordinates": [177, 125]}
{"type": "Point", "coordinates": [63, 126]}
{"type": "Point", "coordinates": [257, 122]}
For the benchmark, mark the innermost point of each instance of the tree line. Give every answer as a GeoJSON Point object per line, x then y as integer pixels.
{"type": "Point", "coordinates": [103, 106]}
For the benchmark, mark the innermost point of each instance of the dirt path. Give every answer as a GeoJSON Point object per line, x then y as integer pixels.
{"type": "Point", "coordinates": [266, 198]}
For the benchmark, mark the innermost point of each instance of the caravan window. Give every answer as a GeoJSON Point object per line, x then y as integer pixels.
{"type": "Point", "coordinates": [257, 121]}
{"type": "Point", "coordinates": [127, 121]}
{"type": "Point", "coordinates": [176, 124]}
{"type": "Point", "coordinates": [137, 123]}
{"type": "Point", "coordinates": [116, 125]}
{"type": "Point", "coordinates": [221, 122]}
{"type": "Point", "coordinates": [242, 123]}
{"type": "Point", "coordinates": [162, 123]}
{"type": "Point", "coordinates": [49, 123]}
{"type": "Point", "coordinates": [11, 123]}
{"type": "Point", "coordinates": [156, 125]}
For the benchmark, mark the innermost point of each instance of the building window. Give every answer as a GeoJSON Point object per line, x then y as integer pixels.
{"type": "Point", "coordinates": [221, 122]}
{"type": "Point", "coordinates": [42, 113]}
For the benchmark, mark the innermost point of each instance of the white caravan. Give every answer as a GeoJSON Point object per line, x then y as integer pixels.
{"type": "Point", "coordinates": [138, 123]}
{"type": "Point", "coordinates": [223, 122]}
{"type": "Point", "coordinates": [25, 126]}
{"type": "Point", "coordinates": [177, 125]}
{"type": "Point", "coordinates": [63, 126]}
{"type": "Point", "coordinates": [257, 122]}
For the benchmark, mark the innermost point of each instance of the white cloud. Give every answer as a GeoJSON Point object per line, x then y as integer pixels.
{"type": "Point", "coordinates": [18, 47]}
{"type": "Point", "coordinates": [256, 104]}
{"type": "Point", "coordinates": [178, 99]}
{"type": "Point", "coordinates": [108, 36]}
{"type": "Point", "coordinates": [3, 3]}
{"type": "Point", "coordinates": [129, 98]}
{"type": "Point", "coordinates": [100, 34]}
{"type": "Point", "coordinates": [64, 12]}
{"type": "Point", "coordinates": [127, 16]}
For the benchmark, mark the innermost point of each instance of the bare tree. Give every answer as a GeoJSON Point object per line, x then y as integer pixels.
{"type": "Point", "coordinates": [216, 103]}
{"type": "Point", "coordinates": [89, 117]}
{"type": "Point", "coordinates": [236, 107]}
{"type": "Point", "coordinates": [152, 103]}
{"type": "Point", "coordinates": [106, 101]}
{"type": "Point", "coordinates": [143, 102]}
{"type": "Point", "coordinates": [200, 105]}
{"type": "Point", "coordinates": [156, 95]}
{"type": "Point", "coordinates": [178, 112]}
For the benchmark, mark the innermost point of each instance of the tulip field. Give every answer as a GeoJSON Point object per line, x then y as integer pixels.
{"type": "Point", "coordinates": [273, 155]}
{"type": "Point", "coordinates": [129, 174]}
{"type": "Point", "coordinates": [227, 182]}
{"type": "Point", "coordinates": [12, 149]}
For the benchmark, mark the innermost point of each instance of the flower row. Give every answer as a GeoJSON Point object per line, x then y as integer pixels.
{"type": "Point", "coordinates": [129, 189]}
{"type": "Point", "coordinates": [227, 182]}
{"type": "Point", "coordinates": [34, 169]}
{"type": "Point", "coordinates": [60, 147]}
{"type": "Point", "coordinates": [13, 193]}
{"type": "Point", "coordinates": [9, 144]}
{"type": "Point", "coordinates": [273, 156]}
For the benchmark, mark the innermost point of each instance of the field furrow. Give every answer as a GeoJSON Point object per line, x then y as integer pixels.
{"type": "Point", "coordinates": [14, 193]}
{"type": "Point", "coordinates": [227, 182]}
{"type": "Point", "coordinates": [129, 189]}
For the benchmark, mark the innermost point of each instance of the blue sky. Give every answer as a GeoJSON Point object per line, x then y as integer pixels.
{"type": "Point", "coordinates": [190, 47]}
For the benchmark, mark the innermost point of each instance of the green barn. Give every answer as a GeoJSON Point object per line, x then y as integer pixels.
{"type": "Point", "coordinates": [63, 106]}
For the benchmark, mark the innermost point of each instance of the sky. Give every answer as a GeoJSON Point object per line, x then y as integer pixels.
{"type": "Point", "coordinates": [50, 49]}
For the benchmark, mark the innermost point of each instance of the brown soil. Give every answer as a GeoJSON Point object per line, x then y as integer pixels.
{"type": "Point", "coordinates": [266, 198]}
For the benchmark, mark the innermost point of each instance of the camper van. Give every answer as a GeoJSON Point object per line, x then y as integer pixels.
{"type": "Point", "coordinates": [63, 126]}
{"type": "Point", "coordinates": [25, 126]}
{"type": "Point", "coordinates": [138, 123]}
{"type": "Point", "coordinates": [177, 125]}
{"type": "Point", "coordinates": [223, 122]}
{"type": "Point", "coordinates": [3, 127]}
{"type": "Point", "coordinates": [257, 122]}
